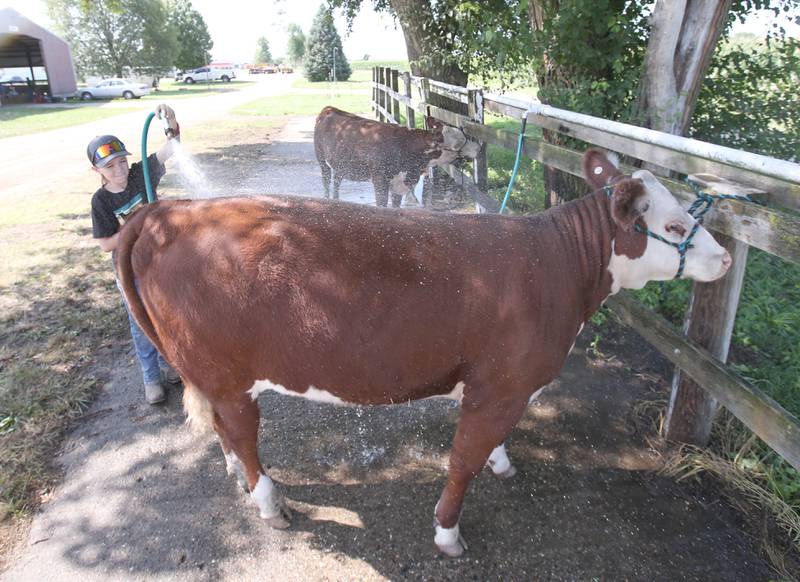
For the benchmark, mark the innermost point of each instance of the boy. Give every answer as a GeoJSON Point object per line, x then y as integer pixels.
{"type": "Point", "coordinates": [121, 194]}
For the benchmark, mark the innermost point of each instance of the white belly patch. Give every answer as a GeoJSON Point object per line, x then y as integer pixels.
{"type": "Point", "coordinates": [313, 393]}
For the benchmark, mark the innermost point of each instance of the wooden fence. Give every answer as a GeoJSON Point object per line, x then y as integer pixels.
{"type": "Point", "coordinates": [703, 347]}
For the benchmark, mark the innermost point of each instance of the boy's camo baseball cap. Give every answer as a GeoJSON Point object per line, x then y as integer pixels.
{"type": "Point", "coordinates": [105, 148]}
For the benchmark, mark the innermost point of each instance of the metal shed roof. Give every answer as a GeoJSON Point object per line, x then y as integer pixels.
{"type": "Point", "coordinates": [23, 43]}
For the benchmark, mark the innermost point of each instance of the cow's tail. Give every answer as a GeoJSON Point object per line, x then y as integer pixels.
{"type": "Point", "coordinates": [127, 239]}
{"type": "Point", "coordinates": [199, 412]}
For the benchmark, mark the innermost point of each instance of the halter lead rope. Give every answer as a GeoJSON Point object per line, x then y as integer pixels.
{"type": "Point", "coordinates": [697, 210]}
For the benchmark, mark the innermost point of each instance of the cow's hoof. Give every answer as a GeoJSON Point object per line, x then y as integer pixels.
{"type": "Point", "coordinates": [281, 521]}
{"type": "Point", "coordinates": [455, 549]}
{"type": "Point", "coordinates": [450, 541]}
{"type": "Point", "coordinates": [507, 474]}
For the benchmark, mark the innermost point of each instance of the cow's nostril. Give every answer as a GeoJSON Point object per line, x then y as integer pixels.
{"type": "Point", "coordinates": [726, 260]}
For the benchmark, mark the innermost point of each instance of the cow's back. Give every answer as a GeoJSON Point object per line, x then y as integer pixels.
{"type": "Point", "coordinates": [347, 298]}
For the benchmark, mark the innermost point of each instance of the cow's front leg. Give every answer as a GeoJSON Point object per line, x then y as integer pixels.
{"type": "Point", "coordinates": [478, 434]}
{"type": "Point", "coordinates": [238, 421]}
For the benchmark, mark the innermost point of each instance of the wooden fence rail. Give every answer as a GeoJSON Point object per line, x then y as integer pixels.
{"type": "Point", "coordinates": [774, 229]}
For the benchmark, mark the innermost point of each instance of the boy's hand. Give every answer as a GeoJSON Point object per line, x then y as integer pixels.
{"type": "Point", "coordinates": [164, 111]}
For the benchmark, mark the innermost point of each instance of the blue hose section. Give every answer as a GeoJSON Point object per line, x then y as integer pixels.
{"type": "Point", "coordinates": [147, 183]}
{"type": "Point", "coordinates": [516, 164]}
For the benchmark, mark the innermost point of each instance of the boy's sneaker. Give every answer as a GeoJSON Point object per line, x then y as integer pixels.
{"type": "Point", "coordinates": [171, 376]}
{"type": "Point", "coordinates": [154, 393]}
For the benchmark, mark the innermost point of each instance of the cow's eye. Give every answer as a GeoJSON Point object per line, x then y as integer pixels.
{"type": "Point", "coordinates": [677, 228]}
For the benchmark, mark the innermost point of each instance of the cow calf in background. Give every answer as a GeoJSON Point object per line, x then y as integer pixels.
{"type": "Point", "coordinates": [392, 157]}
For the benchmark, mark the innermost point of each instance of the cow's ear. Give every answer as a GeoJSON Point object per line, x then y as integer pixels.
{"type": "Point", "coordinates": [599, 168]}
{"type": "Point", "coordinates": [628, 202]}
{"type": "Point", "coordinates": [433, 124]}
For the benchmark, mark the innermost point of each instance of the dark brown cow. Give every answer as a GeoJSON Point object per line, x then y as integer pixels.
{"type": "Point", "coordinates": [349, 147]}
{"type": "Point", "coordinates": [353, 304]}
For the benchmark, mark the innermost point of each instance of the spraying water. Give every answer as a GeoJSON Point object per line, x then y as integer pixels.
{"type": "Point", "coordinates": [192, 178]}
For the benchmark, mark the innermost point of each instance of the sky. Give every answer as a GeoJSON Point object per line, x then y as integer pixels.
{"type": "Point", "coordinates": [235, 26]}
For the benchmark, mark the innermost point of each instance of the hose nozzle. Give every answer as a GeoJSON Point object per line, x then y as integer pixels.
{"type": "Point", "coordinates": [168, 131]}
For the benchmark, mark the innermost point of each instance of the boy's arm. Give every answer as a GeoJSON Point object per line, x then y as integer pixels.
{"type": "Point", "coordinates": [166, 151]}
{"type": "Point", "coordinates": [108, 244]}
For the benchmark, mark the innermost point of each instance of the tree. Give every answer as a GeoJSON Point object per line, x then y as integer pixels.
{"type": "Point", "coordinates": [296, 48]}
{"type": "Point", "coordinates": [429, 28]}
{"type": "Point", "coordinates": [324, 49]}
{"type": "Point", "coordinates": [194, 40]}
{"type": "Point", "coordinates": [749, 91]}
{"type": "Point", "coordinates": [683, 37]}
{"type": "Point", "coordinates": [263, 54]}
{"type": "Point", "coordinates": [115, 37]}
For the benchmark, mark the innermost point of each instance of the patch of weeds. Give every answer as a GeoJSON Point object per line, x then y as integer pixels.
{"type": "Point", "coordinates": [56, 316]}
{"type": "Point", "coordinates": [750, 468]}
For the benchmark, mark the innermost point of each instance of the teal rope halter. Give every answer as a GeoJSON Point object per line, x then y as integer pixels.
{"type": "Point", "coordinates": [697, 210]}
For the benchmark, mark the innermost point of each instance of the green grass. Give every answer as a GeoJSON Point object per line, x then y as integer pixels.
{"type": "Point", "coordinates": [527, 193]}
{"type": "Point", "coordinates": [300, 104]}
{"type": "Point", "coordinates": [360, 79]}
{"type": "Point", "coordinates": [21, 120]}
{"type": "Point", "coordinates": [170, 89]}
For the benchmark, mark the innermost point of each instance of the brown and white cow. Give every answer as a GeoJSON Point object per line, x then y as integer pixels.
{"type": "Point", "coordinates": [346, 303]}
{"type": "Point", "coordinates": [393, 158]}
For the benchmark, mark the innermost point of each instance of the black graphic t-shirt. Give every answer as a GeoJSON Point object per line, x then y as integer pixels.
{"type": "Point", "coordinates": [108, 208]}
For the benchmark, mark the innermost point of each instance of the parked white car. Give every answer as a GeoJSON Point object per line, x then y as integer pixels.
{"type": "Point", "coordinates": [110, 88]}
{"type": "Point", "coordinates": [223, 74]}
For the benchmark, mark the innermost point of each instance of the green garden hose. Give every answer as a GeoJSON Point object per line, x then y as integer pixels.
{"type": "Point", "coordinates": [147, 184]}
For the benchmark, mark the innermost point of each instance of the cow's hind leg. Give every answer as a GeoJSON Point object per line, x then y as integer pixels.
{"type": "Point", "coordinates": [337, 182]}
{"type": "Point", "coordinates": [397, 199]}
{"type": "Point", "coordinates": [326, 177]}
{"type": "Point", "coordinates": [500, 464]}
{"type": "Point", "coordinates": [238, 421]}
{"type": "Point", "coordinates": [381, 191]}
{"type": "Point", "coordinates": [233, 466]}
{"type": "Point", "coordinates": [481, 430]}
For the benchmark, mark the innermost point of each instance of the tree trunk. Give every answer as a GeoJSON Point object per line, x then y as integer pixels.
{"type": "Point", "coordinates": [683, 37]}
{"type": "Point", "coordinates": [558, 186]}
{"type": "Point", "coordinates": [420, 45]}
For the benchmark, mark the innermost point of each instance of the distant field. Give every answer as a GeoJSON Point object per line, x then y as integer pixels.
{"type": "Point", "coordinates": [171, 89]}
{"type": "Point", "coordinates": [304, 104]}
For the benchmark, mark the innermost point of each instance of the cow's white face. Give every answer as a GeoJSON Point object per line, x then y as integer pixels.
{"type": "Point", "coordinates": [651, 202]}
{"type": "Point", "coordinates": [454, 144]}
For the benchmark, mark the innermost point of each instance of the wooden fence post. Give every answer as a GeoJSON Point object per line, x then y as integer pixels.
{"type": "Point", "coordinates": [479, 165]}
{"type": "Point", "coordinates": [410, 121]}
{"type": "Point", "coordinates": [387, 99]}
{"type": "Point", "coordinates": [381, 92]}
{"type": "Point", "coordinates": [427, 188]}
{"type": "Point", "coordinates": [375, 90]}
{"type": "Point", "coordinates": [709, 323]}
{"type": "Point", "coordinates": [395, 101]}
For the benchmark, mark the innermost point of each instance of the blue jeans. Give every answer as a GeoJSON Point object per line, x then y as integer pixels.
{"type": "Point", "coordinates": [150, 361]}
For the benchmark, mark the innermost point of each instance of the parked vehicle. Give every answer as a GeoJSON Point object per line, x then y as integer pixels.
{"type": "Point", "coordinates": [224, 74]}
{"type": "Point", "coordinates": [110, 88]}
